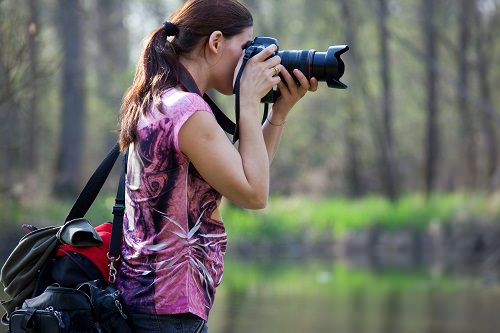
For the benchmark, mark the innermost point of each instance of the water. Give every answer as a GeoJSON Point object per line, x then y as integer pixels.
{"type": "Point", "coordinates": [327, 296]}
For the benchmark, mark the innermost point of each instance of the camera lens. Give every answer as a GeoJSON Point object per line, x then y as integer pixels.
{"type": "Point", "coordinates": [324, 66]}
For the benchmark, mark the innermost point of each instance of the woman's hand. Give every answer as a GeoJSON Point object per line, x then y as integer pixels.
{"type": "Point", "coordinates": [259, 75]}
{"type": "Point", "coordinates": [291, 92]}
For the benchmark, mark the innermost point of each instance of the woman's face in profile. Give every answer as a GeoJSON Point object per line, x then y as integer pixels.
{"type": "Point", "coordinates": [231, 53]}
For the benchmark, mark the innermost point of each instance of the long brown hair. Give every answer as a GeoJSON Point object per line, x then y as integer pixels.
{"type": "Point", "coordinates": [157, 69]}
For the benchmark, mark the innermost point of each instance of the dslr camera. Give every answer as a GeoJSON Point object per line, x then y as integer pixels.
{"type": "Point", "coordinates": [324, 66]}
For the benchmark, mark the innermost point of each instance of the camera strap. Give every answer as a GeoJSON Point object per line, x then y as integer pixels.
{"type": "Point", "coordinates": [236, 91]}
{"type": "Point", "coordinates": [224, 122]}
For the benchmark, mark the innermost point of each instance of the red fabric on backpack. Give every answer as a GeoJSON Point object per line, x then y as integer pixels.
{"type": "Point", "coordinates": [97, 254]}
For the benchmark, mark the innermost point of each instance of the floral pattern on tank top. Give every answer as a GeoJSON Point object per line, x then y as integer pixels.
{"type": "Point", "coordinates": [172, 252]}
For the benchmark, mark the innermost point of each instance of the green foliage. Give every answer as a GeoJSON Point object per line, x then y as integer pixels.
{"type": "Point", "coordinates": [292, 218]}
{"type": "Point", "coordinates": [297, 216]}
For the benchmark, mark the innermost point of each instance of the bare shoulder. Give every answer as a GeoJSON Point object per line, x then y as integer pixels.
{"type": "Point", "coordinates": [199, 131]}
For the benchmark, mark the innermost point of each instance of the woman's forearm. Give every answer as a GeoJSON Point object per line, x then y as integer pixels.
{"type": "Point", "coordinates": [272, 130]}
{"type": "Point", "coordinates": [254, 156]}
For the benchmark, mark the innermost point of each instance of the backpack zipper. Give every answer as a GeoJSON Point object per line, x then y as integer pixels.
{"type": "Point", "coordinates": [58, 315]}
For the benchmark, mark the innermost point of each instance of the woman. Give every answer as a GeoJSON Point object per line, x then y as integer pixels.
{"type": "Point", "coordinates": [181, 162]}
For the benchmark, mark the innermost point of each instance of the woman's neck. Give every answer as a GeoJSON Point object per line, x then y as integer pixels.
{"type": "Point", "coordinates": [197, 71]}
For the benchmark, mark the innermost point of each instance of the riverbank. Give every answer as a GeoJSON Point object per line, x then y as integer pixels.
{"type": "Point", "coordinates": [446, 233]}
{"type": "Point", "coordinates": [408, 266]}
{"type": "Point", "coordinates": [471, 248]}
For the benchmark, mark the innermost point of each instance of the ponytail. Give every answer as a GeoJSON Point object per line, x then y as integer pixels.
{"type": "Point", "coordinates": [155, 72]}
{"type": "Point", "coordinates": [158, 67]}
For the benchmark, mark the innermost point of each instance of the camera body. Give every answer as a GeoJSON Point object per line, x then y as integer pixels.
{"type": "Point", "coordinates": [324, 66]}
{"type": "Point", "coordinates": [255, 47]}
{"type": "Point", "coordinates": [258, 45]}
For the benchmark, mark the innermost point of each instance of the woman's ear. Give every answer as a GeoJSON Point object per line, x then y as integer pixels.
{"type": "Point", "coordinates": [215, 41]}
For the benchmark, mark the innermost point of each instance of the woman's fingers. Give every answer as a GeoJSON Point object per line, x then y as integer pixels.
{"type": "Point", "coordinates": [266, 53]}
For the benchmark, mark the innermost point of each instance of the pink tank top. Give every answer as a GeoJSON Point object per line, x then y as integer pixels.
{"type": "Point", "coordinates": [172, 253]}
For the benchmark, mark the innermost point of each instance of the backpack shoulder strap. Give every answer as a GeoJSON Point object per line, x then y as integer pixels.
{"type": "Point", "coordinates": [118, 213]}
{"type": "Point", "coordinates": [94, 185]}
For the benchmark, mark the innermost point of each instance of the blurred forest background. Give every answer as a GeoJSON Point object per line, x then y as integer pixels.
{"type": "Point", "coordinates": [420, 113]}
{"type": "Point", "coordinates": [400, 172]}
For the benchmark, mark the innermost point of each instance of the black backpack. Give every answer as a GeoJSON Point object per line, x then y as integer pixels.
{"type": "Point", "coordinates": [67, 294]}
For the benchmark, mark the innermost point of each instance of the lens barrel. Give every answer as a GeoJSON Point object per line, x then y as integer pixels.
{"type": "Point", "coordinates": [324, 66]}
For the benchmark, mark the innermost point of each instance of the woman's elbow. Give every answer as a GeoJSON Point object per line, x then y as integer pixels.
{"type": "Point", "coordinates": [258, 201]}
{"type": "Point", "coordinates": [259, 204]}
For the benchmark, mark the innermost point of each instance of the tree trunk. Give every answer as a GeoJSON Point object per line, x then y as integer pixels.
{"type": "Point", "coordinates": [388, 157]}
{"type": "Point", "coordinates": [488, 116]}
{"type": "Point", "coordinates": [368, 99]}
{"type": "Point", "coordinates": [111, 62]}
{"type": "Point", "coordinates": [70, 159]}
{"type": "Point", "coordinates": [30, 155]}
{"type": "Point", "coordinates": [112, 55]}
{"type": "Point", "coordinates": [465, 140]}
{"type": "Point", "coordinates": [432, 138]}
{"type": "Point", "coordinates": [12, 76]}
{"type": "Point", "coordinates": [353, 172]}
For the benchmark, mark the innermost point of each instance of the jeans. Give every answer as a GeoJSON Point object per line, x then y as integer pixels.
{"type": "Point", "coordinates": [178, 323]}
